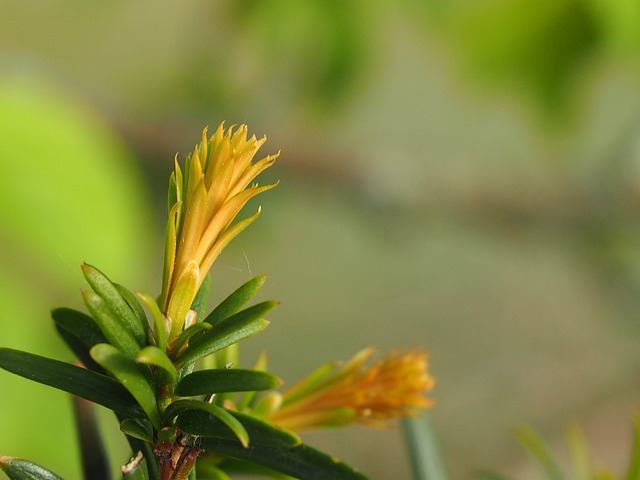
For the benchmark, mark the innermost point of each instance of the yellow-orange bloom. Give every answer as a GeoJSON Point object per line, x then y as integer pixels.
{"type": "Point", "coordinates": [392, 387]}
{"type": "Point", "coordinates": [203, 202]}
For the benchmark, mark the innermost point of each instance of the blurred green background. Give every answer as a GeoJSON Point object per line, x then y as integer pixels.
{"type": "Point", "coordinates": [461, 176]}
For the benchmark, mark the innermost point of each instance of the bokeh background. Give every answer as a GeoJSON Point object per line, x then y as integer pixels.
{"type": "Point", "coordinates": [462, 176]}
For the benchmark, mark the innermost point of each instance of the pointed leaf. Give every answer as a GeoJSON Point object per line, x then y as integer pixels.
{"type": "Point", "coordinates": [220, 413]}
{"type": "Point", "coordinates": [225, 380]}
{"type": "Point", "coordinates": [18, 469]}
{"type": "Point", "coordinates": [221, 337]}
{"type": "Point", "coordinates": [80, 332]}
{"type": "Point", "coordinates": [170, 245]}
{"type": "Point", "coordinates": [130, 375]}
{"type": "Point", "coordinates": [227, 332]}
{"type": "Point", "coordinates": [138, 445]}
{"type": "Point", "coordinates": [137, 429]}
{"type": "Point", "coordinates": [187, 334]}
{"type": "Point", "coordinates": [182, 296]}
{"type": "Point", "coordinates": [299, 462]}
{"type": "Point", "coordinates": [202, 423]}
{"type": "Point", "coordinates": [113, 299]}
{"type": "Point", "coordinates": [238, 299]}
{"type": "Point", "coordinates": [160, 328]}
{"type": "Point", "coordinates": [154, 356]}
{"type": "Point", "coordinates": [136, 308]}
{"type": "Point", "coordinates": [206, 468]}
{"type": "Point", "coordinates": [80, 324]}
{"type": "Point", "coordinates": [110, 325]}
{"type": "Point", "coordinates": [78, 381]}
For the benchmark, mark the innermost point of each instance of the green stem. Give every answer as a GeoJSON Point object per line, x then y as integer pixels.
{"type": "Point", "coordinates": [426, 459]}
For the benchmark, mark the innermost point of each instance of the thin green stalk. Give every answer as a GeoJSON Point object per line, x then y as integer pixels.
{"type": "Point", "coordinates": [426, 459]}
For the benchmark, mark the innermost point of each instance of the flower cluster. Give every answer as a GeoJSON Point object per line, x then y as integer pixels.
{"type": "Point", "coordinates": [338, 395]}
{"type": "Point", "coordinates": [203, 202]}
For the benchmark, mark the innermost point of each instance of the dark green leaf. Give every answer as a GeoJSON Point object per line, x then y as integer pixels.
{"type": "Point", "coordinates": [80, 332]}
{"type": "Point", "coordinates": [137, 428]}
{"type": "Point", "coordinates": [226, 380]}
{"type": "Point", "coordinates": [80, 324]}
{"type": "Point", "coordinates": [95, 463]}
{"type": "Point", "coordinates": [203, 424]}
{"type": "Point", "coordinates": [152, 355]}
{"type": "Point", "coordinates": [78, 381]}
{"type": "Point", "coordinates": [200, 302]}
{"type": "Point", "coordinates": [114, 301]}
{"type": "Point", "coordinates": [160, 327]}
{"type": "Point", "coordinates": [234, 302]}
{"type": "Point", "coordinates": [111, 326]}
{"type": "Point", "coordinates": [227, 332]}
{"type": "Point", "coordinates": [184, 337]}
{"type": "Point", "coordinates": [138, 445]}
{"type": "Point", "coordinates": [300, 462]}
{"type": "Point", "coordinates": [220, 413]}
{"type": "Point", "coordinates": [131, 375]}
{"type": "Point", "coordinates": [136, 308]}
{"type": "Point", "coordinates": [207, 468]}
{"type": "Point", "coordinates": [17, 469]}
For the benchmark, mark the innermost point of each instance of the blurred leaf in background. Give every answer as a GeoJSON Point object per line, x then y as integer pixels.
{"type": "Point", "coordinates": [69, 192]}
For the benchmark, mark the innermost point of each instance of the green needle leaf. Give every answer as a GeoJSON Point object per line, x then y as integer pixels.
{"type": "Point", "coordinates": [299, 462]}
{"type": "Point", "coordinates": [154, 356]}
{"type": "Point", "coordinates": [78, 381]}
{"type": "Point", "coordinates": [111, 326]}
{"type": "Point", "coordinates": [114, 300]}
{"type": "Point", "coordinates": [136, 308]}
{"type": "Point", "coordinates": [227, 332]}
{"type": "Point", "coordinates": [158, 320]}
{"type": "Point", "coordinates": [130, 375]}
{"type": "Point", "coordinates": [137, 429]}
{"type": "Point", "coordinates": [238, 299]}
{"type": "Point", "coordinates": [187, 334]}
{"type": "Point", "coordinates": [17, 469]}
{"type": "Point", "coordinates": [203, 423]}
{"type": "Point", "coordinates": [80, 332]}
{"type": "Point", "coordinates": [225, 380]}
{"type": "Point", "coordinates": [218, 412]}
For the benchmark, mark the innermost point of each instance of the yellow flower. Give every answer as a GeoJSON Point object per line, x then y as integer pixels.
{"type": "Point", "coordinates": [203, 202]}
{"type": "Point", "coordinates": [392, 387]}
